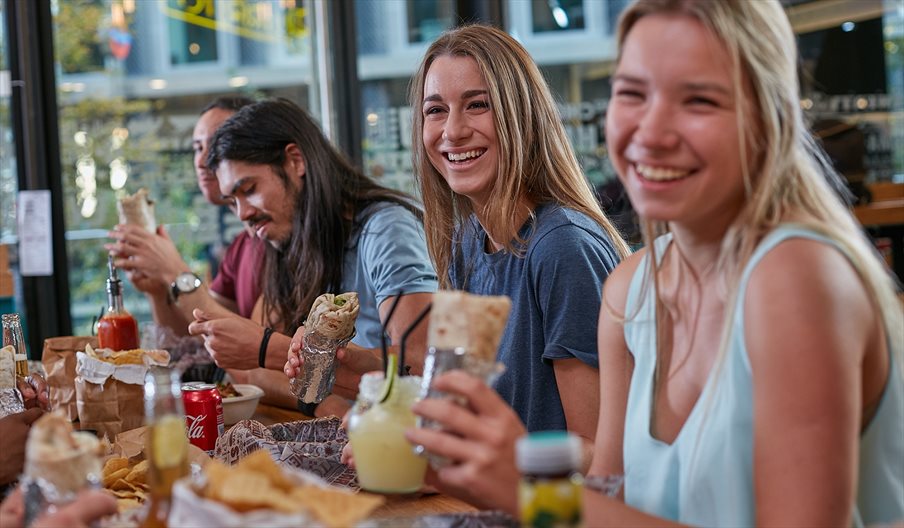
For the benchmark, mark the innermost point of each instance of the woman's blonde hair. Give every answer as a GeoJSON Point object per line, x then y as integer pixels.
{"type": "Point", "coordinates": [786, 174]}
{"type": "Point", "coordinates": [535, 159]}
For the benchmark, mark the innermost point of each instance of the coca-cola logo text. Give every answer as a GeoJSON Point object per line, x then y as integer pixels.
{"type": "Point", "coordinates": [195, 429]}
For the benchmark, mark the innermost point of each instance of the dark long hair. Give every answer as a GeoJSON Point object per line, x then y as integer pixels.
{"type": "Point", "coordinates": [310, 263]}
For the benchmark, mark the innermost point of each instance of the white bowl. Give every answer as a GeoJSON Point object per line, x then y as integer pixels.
{"type": "Point", "coordinates": [242, 407]}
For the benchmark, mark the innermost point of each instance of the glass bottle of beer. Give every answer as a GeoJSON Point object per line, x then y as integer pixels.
{"type": "Point", "coordinates": [117, 329]}
{"type": "Point", "coordinates": [12, 336]}
{"type": "Point", "coordinates": [166, 445]}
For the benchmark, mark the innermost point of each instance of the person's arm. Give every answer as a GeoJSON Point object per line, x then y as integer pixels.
{"type": "Point", "coordinates": [14, 430]}
{"type": "Point", "coordinates": [568, 268]}
{"type": "Point", "coordinates": [809, 324]}
{"type": "Point", "coordinates": [152, 262]}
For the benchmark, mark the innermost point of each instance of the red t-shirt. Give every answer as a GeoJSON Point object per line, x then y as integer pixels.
{"type": "Point", "coordinates": [237, 278]}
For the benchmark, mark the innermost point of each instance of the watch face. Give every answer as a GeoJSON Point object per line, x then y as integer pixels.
{"type": "Point", "coordinates": [187, 282]}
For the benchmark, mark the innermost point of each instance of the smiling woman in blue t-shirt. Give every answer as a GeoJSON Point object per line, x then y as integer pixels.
{"type": "Point", "coordinates": [509, 212]}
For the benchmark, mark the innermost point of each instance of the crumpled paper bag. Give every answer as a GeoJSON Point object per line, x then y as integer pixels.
{"type": "Point", "coordinates": [131, 444]}
{"type": "Point", "coordinates": [110, 398]}
{"type": "Point", "coordinates": [58, 359]}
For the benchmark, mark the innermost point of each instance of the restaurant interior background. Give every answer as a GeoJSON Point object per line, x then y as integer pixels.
{"type": "Point", "coordinates": [98, 98]}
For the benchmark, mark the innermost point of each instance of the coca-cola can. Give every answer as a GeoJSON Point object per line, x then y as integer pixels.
{"type": "Point", "coordinates": [203, 415]}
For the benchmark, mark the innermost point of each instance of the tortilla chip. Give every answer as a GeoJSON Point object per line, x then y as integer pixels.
{"type": "Point", "coordinates": [336, 508]}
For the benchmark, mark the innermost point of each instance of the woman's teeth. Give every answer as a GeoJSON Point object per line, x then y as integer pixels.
{"type": "Point", "coordinates": [463, 156]}
{"type": "Point", "coordinates": [660, 173]}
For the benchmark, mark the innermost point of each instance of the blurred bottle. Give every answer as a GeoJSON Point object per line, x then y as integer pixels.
{"type": "Point", "coordinates": [12, 336]}
{"type": "Point", "coordinates": [167, 441]}
{"type": "Point", "coordinates": [549, 493]}
{"type": "Point", "coordinates": [117, 329]}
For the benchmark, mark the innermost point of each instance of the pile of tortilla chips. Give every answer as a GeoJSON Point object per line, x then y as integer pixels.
{"type": "Point", "coordinates": [127, 482]}
{"type": "Point", "coordinates": [257, 482]}
{"type": "Point", "coordinates": [125, 357]}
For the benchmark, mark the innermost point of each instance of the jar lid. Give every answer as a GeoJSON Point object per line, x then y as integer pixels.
{"type": "Point", "coordinates": [548, 453]}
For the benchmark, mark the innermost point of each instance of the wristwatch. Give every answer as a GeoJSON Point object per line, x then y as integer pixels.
{"type": "Point", "coordinates": [186, 282]}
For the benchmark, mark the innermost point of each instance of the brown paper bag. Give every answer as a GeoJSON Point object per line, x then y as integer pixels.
{"type": "Point", "coordinates": [110, 408]}
{"type": "Point", "coordinates": [58, 359]}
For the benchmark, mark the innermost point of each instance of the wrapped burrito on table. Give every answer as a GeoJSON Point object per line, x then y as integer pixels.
{"type": "Point", "coordinates": [330, 325]}
{"type": "Point", "coordinates": [137, 209]}
{"type": "Point", "coordinates": [10, 399]}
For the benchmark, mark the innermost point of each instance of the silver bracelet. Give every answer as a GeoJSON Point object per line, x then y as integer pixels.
{"type": "Point", "coordinates": [608, 485]}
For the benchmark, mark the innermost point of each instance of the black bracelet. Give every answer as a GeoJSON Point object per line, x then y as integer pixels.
{"type": "Point", "coordinates": [307, 409]}
{"type": "Point", "coordinates": [262, 353]}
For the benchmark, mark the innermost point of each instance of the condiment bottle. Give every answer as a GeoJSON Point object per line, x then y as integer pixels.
{"type": "Point", "coordinates": [166, 445]}
{"type": "Point", "coordinates": [117, 329]}
{"type": "Point", "coordinates": [549, 493]}
{"type": "Point", "coordinates": [12, 335]}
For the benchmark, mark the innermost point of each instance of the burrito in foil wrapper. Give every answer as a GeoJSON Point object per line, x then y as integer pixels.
{"type": "Point", "coordinates": [464, 334]}
{"type": "Point", "coordinates": [63, 461]}
{"type": "Point", "coordinates": [473, 322]}
{"type": "Point", "coordinates": [333, 316]}
{"type": "Point", "coordinates": [330, 325]}
{"type": "Point", "coordinates": [137, 209]}
{"type": "Point", "coordinates": [10, 399]}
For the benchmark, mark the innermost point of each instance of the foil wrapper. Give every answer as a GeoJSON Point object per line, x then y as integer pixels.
{"type": "Point", "coordinates": [439, 361]}
{"type": "Point", "coordinates": [318, 374]}
{"type": "Point", "coordinates": [10, 402]}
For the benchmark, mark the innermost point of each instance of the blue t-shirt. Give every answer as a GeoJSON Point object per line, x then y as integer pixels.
{"type": "Point", "coordinates": [555, 288]}
{"type": "Point", "coordinates": [386, 253]}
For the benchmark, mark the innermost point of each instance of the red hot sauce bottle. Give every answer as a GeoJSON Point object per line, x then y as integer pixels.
{"type": "Point", "coordinates": [117, 329]}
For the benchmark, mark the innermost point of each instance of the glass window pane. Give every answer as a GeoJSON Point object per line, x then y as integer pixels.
{"type": "Point", "coordinates": [557, 15]}
{"type": "Point", "coordinates": [127, 115]}
{"type": "Point", "coordinates": [8, 180]}
{"type": "Point", "coordinates": [428, 18]}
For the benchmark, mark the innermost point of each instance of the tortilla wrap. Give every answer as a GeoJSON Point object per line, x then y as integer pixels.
{"type": "Point", "coordinates": [137, 209]}
{"type": "Point", "coordinates": [60, 456]}
{"type": "Point", "coordinates": [474, 322]}
{"type": "Point", "coordinates": [333, 316]}
{"type": "Point", "coordinates": [7, 367]}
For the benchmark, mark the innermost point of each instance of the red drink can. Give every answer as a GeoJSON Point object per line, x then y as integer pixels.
{"type": "Point", "coordinates": [203, 415]}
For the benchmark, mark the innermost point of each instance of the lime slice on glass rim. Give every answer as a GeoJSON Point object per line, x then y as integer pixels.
{"type": "Point", "coordinates": [389, 380]}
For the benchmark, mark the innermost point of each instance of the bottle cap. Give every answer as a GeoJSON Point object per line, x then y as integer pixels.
{"type": "Point", "coordinates": [114, 284]}
{"type": "Point", "coordinates": [548, 453]}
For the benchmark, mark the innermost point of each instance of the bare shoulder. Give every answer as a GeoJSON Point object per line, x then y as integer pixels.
{"type": "Point", "coordinates": [807, 270]}
{"type": "Point", "coordinates": [807, 295]}
{"type": "Point", "coordinates": [615, 289]}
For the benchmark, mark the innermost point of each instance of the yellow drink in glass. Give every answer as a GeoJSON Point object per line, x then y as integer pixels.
{"type": "Point", "coordinates": [385, 460]}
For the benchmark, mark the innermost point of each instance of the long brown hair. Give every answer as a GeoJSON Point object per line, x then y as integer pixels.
{"type": "Point", "coordinates": [536, 160]}
{"type": "Point", "coordinates": [311, 261]}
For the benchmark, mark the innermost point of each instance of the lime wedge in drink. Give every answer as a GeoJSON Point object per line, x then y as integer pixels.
{"type": "Point", "coordinates": [169, 441]}
{"type": "Point", "coordinates": [390, 378]}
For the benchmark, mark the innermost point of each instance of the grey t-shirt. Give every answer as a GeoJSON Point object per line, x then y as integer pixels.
{"type": "Point", "coordinates": [555, 288]}
{"type": "Point", "coordinates": [386, 253]}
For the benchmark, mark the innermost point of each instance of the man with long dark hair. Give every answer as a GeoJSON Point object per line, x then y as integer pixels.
{"type": "Point", "coordinates": [154, 265]}
{"type": "Point", "coordinates": [328, 228]}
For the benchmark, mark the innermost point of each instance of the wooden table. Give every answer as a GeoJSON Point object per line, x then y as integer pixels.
{"type": "Point", "coordinates": [413, 505]}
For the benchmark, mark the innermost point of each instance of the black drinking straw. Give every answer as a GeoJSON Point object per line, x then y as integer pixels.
{"type": "Point", "coordinates": [420, 317]}
{"type": "Point", "coordinates": [395, 303]}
